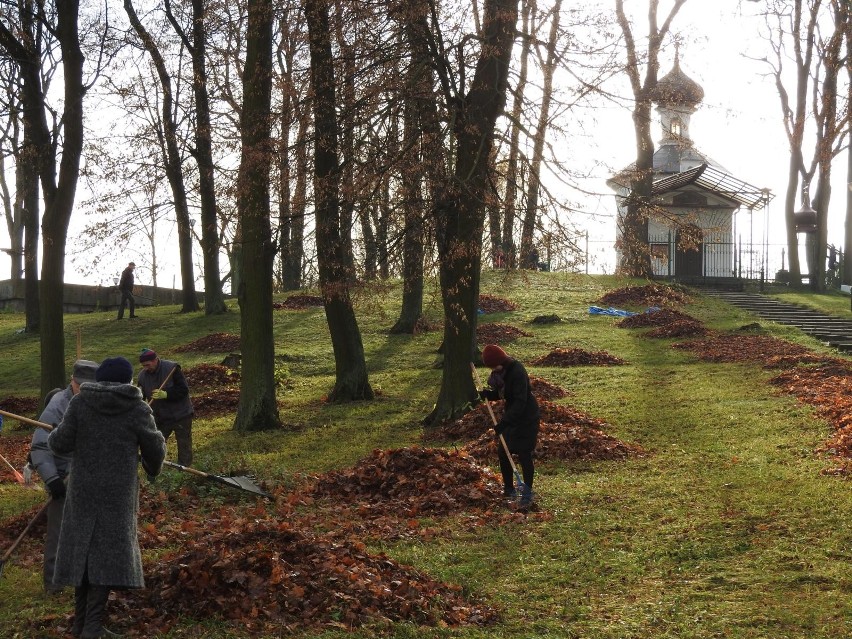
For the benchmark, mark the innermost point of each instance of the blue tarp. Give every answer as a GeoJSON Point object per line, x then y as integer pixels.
{"type": "Point", "coordinates": [597, 310]}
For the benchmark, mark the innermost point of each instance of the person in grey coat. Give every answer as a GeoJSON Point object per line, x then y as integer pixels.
{"type": "Point", "coordinates": [106, 427]}
{"type": "Point", "coordinates": [53, 469]}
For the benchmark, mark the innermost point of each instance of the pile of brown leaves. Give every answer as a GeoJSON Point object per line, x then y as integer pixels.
{"type": "Point", "coordinates": [412, 481]}
{"type": "Point", "coordinates": [491, 304]}
{"type": "Point", "coordinates": [14, 449]}
{"type": "Point", "coordinates": [684, 328]}
{"type": "Point", "coordinates": [730, 347]}
{"type": "Point", "coordinates": [299, 302]}
{"type": "Point", "coordinates": [478, 422]}
{"type": "Point", "coordinates": [659, 317]}
{"type": "Point", "coordinates": [564, 442]}
{"type": "Point", "coordinates": [216, 403]}
{"type": "Point", "coordinates": [23, 406]}
{"type": "Point", "coordinates": [577, 357]}
{"type": "Point", "coordinates": [29, 551]}
{"type": "Point", "coordinates": [543, 389]}
{"type": "Point", "coordinates": [213, 343]}
{"type": "Point", "coordinates": [271, 578]}
{"type": "Point", "coordinates": [496, 333]}
{"type": "Point", "coordinates": [211, 376]}
{"type": "Point", "coordinates": [648, 295]}
{"type": "Point", "coordinates": [829, 389]}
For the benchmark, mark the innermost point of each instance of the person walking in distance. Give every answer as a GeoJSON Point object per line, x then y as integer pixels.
{"type": "Point", "coordinates": [125, 285]}
{"type": "Point", "coordinates": [53, 469]}
{"type": "Point", "coordinates": [520, 421]}
{"type": "Point", "coordinates": [163, 383]}
{"type": "Point", "coordinates": [109, 429]}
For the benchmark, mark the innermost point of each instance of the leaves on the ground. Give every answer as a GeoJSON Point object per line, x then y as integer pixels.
{"type": "Point", "coordinates": [737, 347]}
{"type": "Point", "coordinates": [299, 302]}
{"type": "Point", "coordinates": [659, 317]}
{"type": "Point", "coordinates": [543, 389]}
{"type": "Point", "coordinates": [492, 304]}
{"type": "Point", "coordinates": [23, 406]}
{"type": "Point", "coordinates": [15, 450]}
{"type": "Point", "coordinates": [212, 343]}
{"type": "Point", "coordinates": [496, 333]}
{"type": "Point", "coordinates": [216, 403]}
{"type": "Point", "coordinates": [577, 357]}
{"type": "Point", "coordinates": [211, 376]}
{"type": "Point", "coordinates": [648, 295]}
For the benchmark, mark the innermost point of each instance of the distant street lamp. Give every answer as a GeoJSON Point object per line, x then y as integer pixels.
{"type": "Point", "coordinates": [806, 223]}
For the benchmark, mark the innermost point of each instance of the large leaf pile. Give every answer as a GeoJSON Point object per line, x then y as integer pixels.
{"type": "Point", "coordinates": [648, 295]}
{"type": "Point", "coordinates": [412, 481]}
{"type": "Point", "coordinates": [211, 376]}
{"type": "Point", "coordinates": [271, 578]}
{"type": "Point", "coordinates": [658, 317]}
{"type": "Point", "coordinates": [731, 347]}
{"type": "Point", "coordinates": [24, 406]}
{"type": "Point", "coordinates": [682, 328]}
{"type": "Point", "coordinates": [543, 389]}
{"type": "Point", "coordinates": [492, 304]}
{"type": "Point", "coordinates": [212, 343]}
{"type": "Point", "coordinates": [216, 403]}
{"type": "Point", "coordinates": [577, 357]}
{"type": "Point", "coordinates": [496, 333]}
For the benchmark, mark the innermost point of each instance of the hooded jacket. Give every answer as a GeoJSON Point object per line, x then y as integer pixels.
{"type": "Point", "coordinates": [105, 427]}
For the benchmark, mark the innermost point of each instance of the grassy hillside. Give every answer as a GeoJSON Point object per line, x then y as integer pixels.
{"type": "Point", "coordinates": [724, 528]}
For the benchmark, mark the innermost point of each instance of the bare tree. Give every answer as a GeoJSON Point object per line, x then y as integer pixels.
{"type": "Point", "coordinates": [635, 258]}
{"type": "Point", "coordinates": [172, 160]}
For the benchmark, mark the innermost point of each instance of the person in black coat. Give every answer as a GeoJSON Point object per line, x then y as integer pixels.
{"type": "Point", "coordinates": [519, 424]}
{"type": "Point", "coordinates": [125, 285]}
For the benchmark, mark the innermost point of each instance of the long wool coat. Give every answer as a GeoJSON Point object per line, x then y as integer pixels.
{"type": "Point", "coordinates": [520, 421]}
{"type": "Point", "coordinates": [106, 427]}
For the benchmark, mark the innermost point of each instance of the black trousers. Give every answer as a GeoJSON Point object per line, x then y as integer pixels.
{"type": "Point", "coordinates": [527, 468]}
{"type": "Point", "coordinates": [127, 299]}
{"type": "Point", "coordinates": [89, 608]}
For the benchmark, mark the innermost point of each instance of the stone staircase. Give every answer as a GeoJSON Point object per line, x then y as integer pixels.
{"type": "Point", "coordinates": [832, 330]}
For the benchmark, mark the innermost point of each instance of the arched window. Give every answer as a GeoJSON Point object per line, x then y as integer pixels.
{"type": "Point", "coordinates": [677, 127]}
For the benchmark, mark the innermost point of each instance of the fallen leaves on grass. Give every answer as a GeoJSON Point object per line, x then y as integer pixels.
{"type": "Point", "coordinates": [496, 333]}
{"type": "Point", "coordinates": [682, 328]}
{"type": "Point", "coordinates": [543, 389]}
{"type": "Point", "coordinates": [211, 376]}
{"type": "Point", "coordinates": [659, 317]}
{"type": "Point", "coordinates": [299, 302]}
{"type": "Point", "coordinates": [216, 403]}
{"type": "Point", "coordinates": [492, 304]}
{"type": "Point", "coordinates": [29, 550]}
{"type": "Point", "coordinates": [728, 347]}
{"type": "Point", "coordinates": [577, 357]}
{"type": "Point", "coordinates": [648, 295]}
{"type": "Point", "coordinates": [212, 343]}
{"type": "Point", "coordinates": [269, 577]}
{"type": "Point", "coordinates": [23, 406]}
{"type": "Point", "coordinates": [413, 481]}
{"type": "Point", "coordinates": [15, 450]}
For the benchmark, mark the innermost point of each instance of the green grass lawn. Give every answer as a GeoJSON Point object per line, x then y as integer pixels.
{"type": "Point", "coordinates": [724, 528]}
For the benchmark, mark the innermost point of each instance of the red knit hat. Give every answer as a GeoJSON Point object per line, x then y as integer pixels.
{"type": "Point", "coordinates": [147, 355]}
{"type": "Point", "coordinates": [493, 355]}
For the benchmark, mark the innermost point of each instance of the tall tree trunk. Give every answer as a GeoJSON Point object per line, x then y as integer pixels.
{"type": "Point", "coordinates": [59, 201]}
{"type": "Point", "coordinates": [347, 190]}
{"type": "Point", "coordinates": [534, 186]}
{"type": "Point", "coordinates": [27, 201]}
{"type": "Point", "coordinates": [172, 159]}
{"type": "Point", "coordinates": [258, 407]}
{"type": "Point", "coordinates": [214, 300]}
{"type": "Point", "coordinates": [847, 243]}
{"type": "Point", "coordinates": [460, 216]}
{"type": "Point", "coordinates": [635, 254]}
{"type": "Point", "coordinates": [351, 370]}
{"type": "Point", "coordinates": [295, 251]}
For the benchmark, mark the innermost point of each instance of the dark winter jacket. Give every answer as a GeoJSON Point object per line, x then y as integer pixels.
{"type": "Point", "coordinates": [125, 284]}
{"type": "Point", "coordinates": [519, 424]}
{"type": "Point", "coordinates": [48, 465]}
{"type": "Point", "coordinates": [106, 427]}
{"type": "Point", "coordinates": [177, 405]}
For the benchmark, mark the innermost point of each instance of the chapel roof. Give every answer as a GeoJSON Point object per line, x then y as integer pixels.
{"type": "Point", "coordinates": [677, 89]}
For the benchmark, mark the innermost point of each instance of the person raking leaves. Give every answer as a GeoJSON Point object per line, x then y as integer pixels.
{"type": "Point", "coordinates": [108, 428]}
{"type": "Point", "coordinates": [163, 383]}
{"type": "Point", "coordinates": [520, 421]}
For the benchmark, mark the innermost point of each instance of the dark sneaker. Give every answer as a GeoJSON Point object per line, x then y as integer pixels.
{"type": "Point", "coordinates": [509, 493]}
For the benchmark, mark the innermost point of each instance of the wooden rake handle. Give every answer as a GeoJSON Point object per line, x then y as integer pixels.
{"type": "Point", "coordinates": [478, 383]}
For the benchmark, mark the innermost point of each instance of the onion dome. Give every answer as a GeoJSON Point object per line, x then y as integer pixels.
{"type": "Point", "coordinates": [677, 89]}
